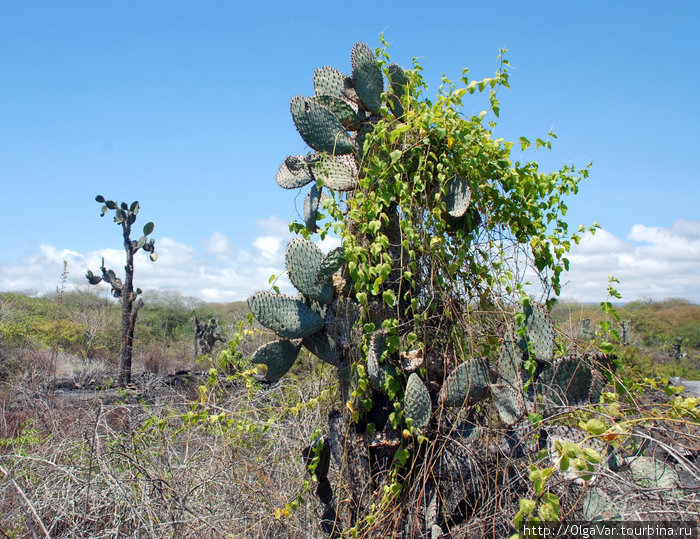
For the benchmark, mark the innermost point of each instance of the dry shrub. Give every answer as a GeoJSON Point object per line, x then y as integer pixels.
{"type": "Point", "coordinates": [124, 463]}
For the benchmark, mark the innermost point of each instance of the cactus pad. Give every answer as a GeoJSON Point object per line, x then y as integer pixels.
{"type": "Point", "coordinates": [377, 347]}
{"type": "Point", "coordinates": [416, 404]}
{"type": "Point", "coordinates": [378, 372]}
{"type": "Point", "coordinates": [567, 383]}
{"type": "Point", "coordinates": [277, 356]}
{"type": "Point", "coordinates": [468, 383]}
{"type": "Point", "coordinates": [367, 77]}
{"type": "Point", "coordinates": [329, 81]}
{"type": "Point", "coordinates": [458, 197]}
{"type": "Point", "coordinates": [509, 402]}
{"type": "Point", "coordinates": [341, 321]}
{"type": "Point", "coordinates": [303, 259]}
{"type": "Point", "coordinates": [540, 332]}
{"type": "Point", "coordinates": [344, 112]}
{"type": "Point", "coordinates": [319, 127]}
{"type": "Point", "coordinates": [331, 263]}
{"type": "Point", "coordinates": [293, 173]}
{"type": "Point", "coordinates": [335, 174]}
{"type": "Point", "coordinates": [323, 347]}
{"type": "Point", "coordinates": [311, 203]}
{"type": "Point", "coordinates": [397, 78]}
{"type": "Point", "coordinates": [288, 317]}
{"type": "Point", "coordinates": [510, 357]}
{"type": "Point", "coordinates": [365, 130]}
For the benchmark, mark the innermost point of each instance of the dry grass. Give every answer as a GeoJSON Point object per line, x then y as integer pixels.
{"type": "Point", "coordinates": [125, 463]}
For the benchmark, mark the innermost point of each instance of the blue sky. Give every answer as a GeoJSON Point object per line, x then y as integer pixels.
{"type": "Point", "coordinates": [185, 107]}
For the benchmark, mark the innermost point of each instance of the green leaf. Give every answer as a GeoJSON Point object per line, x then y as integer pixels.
{"type": "Point", "coordinates": [148, 228]}
{"type": "Point", "coordinates": [527, 506]}
{"type": "Point", "coordinates": [389, 297]}
{"type": "Point", "coordinates": [594, 426]}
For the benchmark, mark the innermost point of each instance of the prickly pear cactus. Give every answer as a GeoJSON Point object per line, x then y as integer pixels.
{"type": "Point", "coordinates": [417, 405]}
{"type": "Point", "coordinates": [405, 388]}
{"type": "Point", "coordinates": [468, 384]}
{"type": "Point", "coordinates": [277, 356]}
{"type": "Point", "coordinates": [288, 317]}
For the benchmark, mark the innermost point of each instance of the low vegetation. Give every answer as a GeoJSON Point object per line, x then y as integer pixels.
{"type": "Point", "coordinates": [410, 389]}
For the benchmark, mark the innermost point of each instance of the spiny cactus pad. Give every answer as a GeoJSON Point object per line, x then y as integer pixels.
{"type": "Point", "coordinates": [319, 127]}
{"type": "Point", "coordinates": [467, 384]}
{"type": "Point", "coordinates": [398, 79]}
{"type": "Point", "coordinates": [510, 356]}
{"type": "Point", "coordinates": [338, 106]}
{"type": "Point", "coordinates": [331, 263]}
{"type": "Point", "coordinates": [322, 346]}
{"type": "Point", "coordinates": [378, 372]}
{"type": "Point", "coordinates": [311, 203]}
{"type": "Point", "coordinates": [377, 347]}
{"type": "Point", "coordinates": [328, 81]}
{"type": "Point", "coordinates": [540, 332]}
{"type": "Point", "coordinates": [367, 77]}
{"type": "Point", "coordinates": [293, 173]}
{"type": "Point", "coordinates": [458, 197]}
{"type": "Point", "coordinates": [509, 402]}
{"type": "Point", "coordinates": [416, 404]}
{"type": "Point", "coordinates": [567, 383]}
{"type": "Point", "coordinates": [277, 356]}
{"type": "Point", "coordinates": [341, 321]}
{"type": "Point", "coordinates": [303, 259]}
{"type": "Point", "coordinates": [288, 317]}
{"type": "Point", "coordinates": [335, 174]}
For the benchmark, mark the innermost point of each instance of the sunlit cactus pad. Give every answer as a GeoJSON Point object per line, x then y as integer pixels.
{"type": "Point", "coordinates": [303, 259]}
{"type": "Point", "coordinates": [367, 77]}
{"type": "Point", "coordinates": [293, 173]}
{"type": "Point", "coordinates": [467, 384]}
{"type": "Point", "coordinates": [277, 356]}
{"type": "Point", "coordinates": [335, 174]}
{"type": "Point", "coordinates": [342, 109]}
{"type": "Point", "coordinates": [458, 197]}
{"type": "Point", "coordinates": [329, 81]}
{"type": "Point", "coordinates": [540, 332]}
{"type": "Point", "coordinates": [417, 405]}
{"type": "Point", "coordinates": [319, 127]}
{"type": "Point", "coordinates": [287, 317]}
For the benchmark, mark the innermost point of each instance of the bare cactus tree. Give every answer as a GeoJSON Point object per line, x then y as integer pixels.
{"type": "Point", "coordinates": [125, 216]}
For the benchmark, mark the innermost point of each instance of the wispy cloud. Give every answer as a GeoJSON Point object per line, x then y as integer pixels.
{"type": "Point", "coordinates": [651, 262]}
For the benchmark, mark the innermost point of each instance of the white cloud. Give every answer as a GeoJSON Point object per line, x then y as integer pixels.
{"type": "Point", "coordinates": [216, 271]}
{"type": "Point", "coordinates": [218, 245]}
{"type": "Point", "coordinates": [653, 262]}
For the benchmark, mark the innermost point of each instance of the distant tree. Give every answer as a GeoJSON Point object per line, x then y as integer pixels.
{"type": "Point", "coordinates": [125, 216]}
{"type": "Point", "coordinates": [206, 335]}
